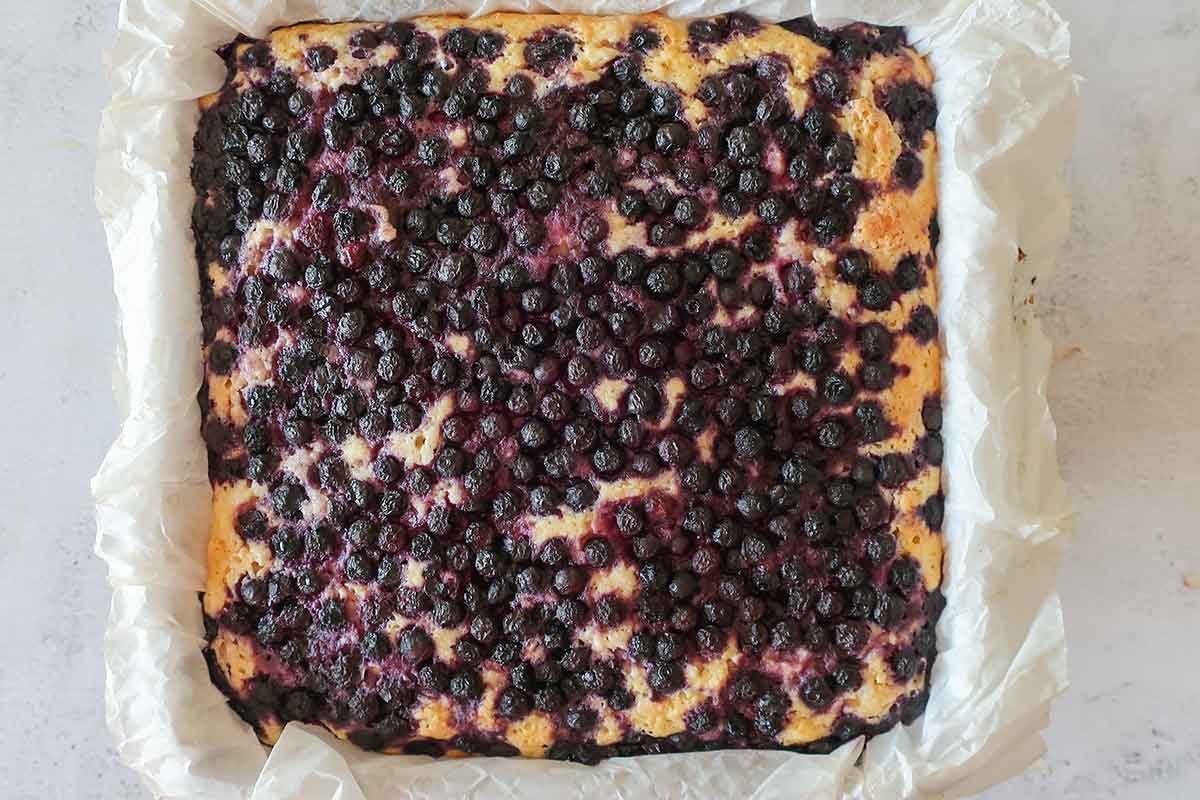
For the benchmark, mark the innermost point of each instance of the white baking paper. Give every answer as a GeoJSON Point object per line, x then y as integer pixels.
{"type": "Point", "coordinates": [1007, 109]}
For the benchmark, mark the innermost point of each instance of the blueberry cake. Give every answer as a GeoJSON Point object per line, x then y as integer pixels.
{"type": "Point", "coordinates": [572, 384]}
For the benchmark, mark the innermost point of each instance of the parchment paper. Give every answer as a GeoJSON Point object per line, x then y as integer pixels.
{"type": "Point", "coordinates": [1007, 100]}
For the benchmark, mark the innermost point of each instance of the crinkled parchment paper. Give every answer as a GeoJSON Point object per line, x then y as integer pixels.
{"type": "Point", "coordinates": [1007, 100]}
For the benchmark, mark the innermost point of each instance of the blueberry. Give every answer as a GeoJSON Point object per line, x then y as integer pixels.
{"type": "Point", "coordinates": [653, 576]}
{"type": "Point", "coordinates": [816, 527]}
{"type": "Point", "coordinates": [629, 521]}
{"type": "Point", "coordinates": [683, 585]}
{"type": "Point", "coordinates": [484, 238]}
{"type": "Point", "coordinates": [348, 224]}
{"type": "Point", "coordinates": [744, 146]}
{"type": "Point", "coordinates": [923, 324]}
{"type": "Point", "coordinates": [447, 614]}
{"type": "Point", "coordinates": [582, 117]}
{"type": "Point", "coordinates": [908, 170]}
{"type": "Point", "coordinates": [489, 44]}
{"type": "Point", "coordinates": [545, 53]}
{"type": "Point", "coordinates": [904, 663]}
{"type": "Point", "coordinates": [880, 547]}
{"type": "Point", "coordinates": [904, 575]}
{"type": "Point", "coordinates": [608, 611]}
{"type": "Point", "coordinates": [513, 703]}
{"type": "Point", "coordinates": [431, 151]}
{"type": "Point", "coordinates": [642, 400]}
{"type": "Point", "coordinates": [933, 512]}
{"type": "Point", "coordinates": [755, 548]}
{"type": "Point", "coordinates": [836, 388]}
{"type": "Point", "coordinates": [726, 263]}
{"type": "Point", "coordinates": [465, 685]}
{"type": "Point", "coordinates": [846, 193]}
{"type": "Point", "coordinates": [399, 181]}
{"type": "Point", "coordinates": [688, 211]}
{"type": "Point", "coordinates": [300, 103]}
{"type": "Point", "coordinates": [580, 370]}
{"type": "Point", "coordinates": [751, 505]}
{"type": "Point", "coordinates": [665, 677]}
{"type": "Point", "coordinates": [734, 204]}
{"type": "Point", "coordinates": [730, 481]}
{"type": "Point", "coordinates": [816, 694]}
{"type": "Point", "coordinates": [557, 165]}
{"type": "Point", "coordinates": [839, 155]}
{"type": "Point", "coordinates": [414, 645]}
{"type": "Point", "coordinates": [752, 181]}
{"type": "Point", "coordinates": [664, 103]}
{"type": "Point", "coordinates": [771, 709]}
{"type": "Point", "coordinates": [890, 609]}
{"type": "Point", "coordinates": [360, 568]}
{"type": "Point", "coordinates": [286, 499]}
{"type": "Point", "coordinates": [320, 58]}
{"type": "Point", "coordinates": [629, 267]}
{"type": "Point", "coordinates": [460, 42]}
{"type": "Point", "coordinates": [831, 226]}
{"type": "Point", "coordinates": [912, 109]}
{"type": "Point", "coordinates": [700, 720]}
{"type": "Point", "coordinates": [699, 519]}
{"type": "Point", "coordinates": [327, 192]}
{"type": "Point", "coordinates": [598, 552]}
{"type": "Point", "coordinates": [875, 293]}
{"type": "Point", "coordinates": [598, 679]}
{"type": "Point", "coordinates": [669, 647]}
{"type": "Point", "coordinates": [892, 469]}
{"type": "Point", "coordinates": [752, 636]}
{"type": "Point", "coordinates": [870, 510]}
{"type": "Point", "coordinates": [907, 275]}
{"type": "Point", "coordinates": [409, 106]}
{"type": "Point", "coordinates": [541, 195]}
{"type": "Point", "coordinates": [705, 31]}
{"type": "Point", "coordinates": [830, 85]}
{"type": "Point", "coordinates": [607, 459]}
{"type": "Point", "coordinates": [877, 375]}
{"type": "Point", "coordinates": [641, 645]}
{"type": "Point", "coordinates": [653, 353]}
{"type": "Point", "coordinates": [570, 612]}
{"type": "Point", "coordinates": [433, 677]}
{"type": "Point", "coordinates": [645, 39]}
{"type": "Point", "coordinates": [449, 463]}
{"type": "Point", "coordinates": [505, 505]}
{"type": "Point", "coordinates": [691, 175]}
{"type": "Point", "coordinates": [665, 234]}
{"type": "Point", "coordinates": [350, 105]}
{"type": "Point", "coordinates": [632, 204]}
{"type": "Point", "coordinates": [771, 109]}
{"type": "Point", "coordinates": [527, 233]}
{"type": "Point", "coordinates": [831, 434]}
{"type": "Point", "coordinates": [670, 138]}
{"type": "Point", "coordinates": [749, 443]}
{"type": "Point", "coordinates": [580, 495]}
{"type": "Point", "coordinates": [402, 73]}
{"type": "Point", "coordinates": [534, 434]}
{"type": "Point", "coordinates": [336, 133]}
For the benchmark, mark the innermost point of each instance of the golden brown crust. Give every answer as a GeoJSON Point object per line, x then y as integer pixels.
{"type": "Point", "coordinates": [893, 225]}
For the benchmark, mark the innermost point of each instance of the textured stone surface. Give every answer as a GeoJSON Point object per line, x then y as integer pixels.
{"type": "Point", "coordinates": [1125, 295]}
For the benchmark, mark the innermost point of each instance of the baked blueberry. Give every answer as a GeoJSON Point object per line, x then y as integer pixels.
{"type": "Point", "coordinates": [912, 109]}
{"type": "Point", "coordinates": [744, 145]}
{"type": "Point", "coordinates": [320, 57]}
{"type": "Point", "coordinates": [665, 677]}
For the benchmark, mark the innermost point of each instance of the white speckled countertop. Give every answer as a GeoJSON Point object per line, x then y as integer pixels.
{"type": "Point", "coordinates": [1122, 307]}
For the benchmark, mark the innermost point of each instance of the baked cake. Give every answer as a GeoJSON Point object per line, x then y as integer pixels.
{"type": "Point", "coordinates": [571, 383]}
